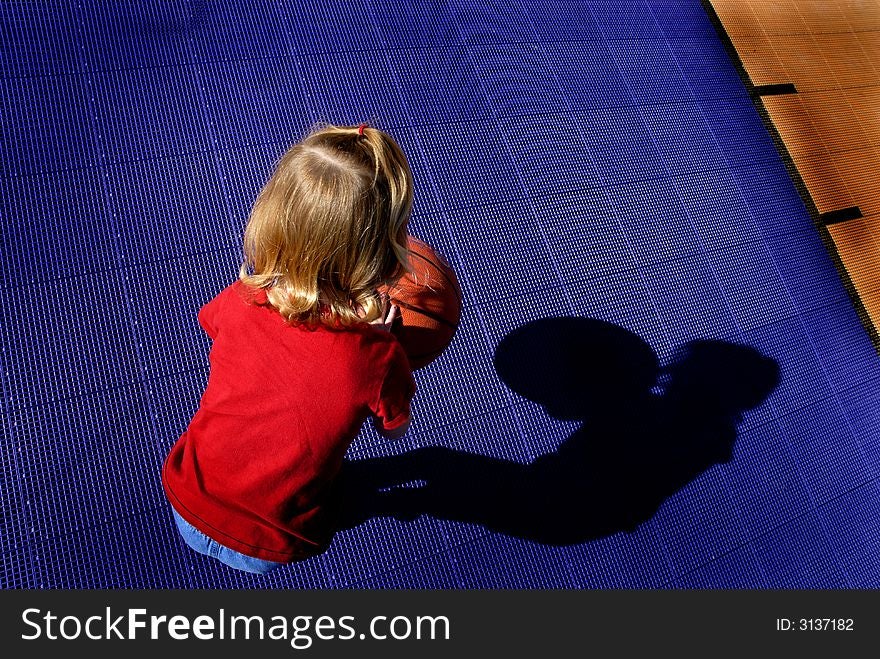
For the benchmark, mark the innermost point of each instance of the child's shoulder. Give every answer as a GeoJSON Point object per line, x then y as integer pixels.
{"type": "Point", "coordinates": [380, 344]}
{"type": "Point", "coordinates": [235, 299]}
{"type": "Point", "coordinates": [247, 294]}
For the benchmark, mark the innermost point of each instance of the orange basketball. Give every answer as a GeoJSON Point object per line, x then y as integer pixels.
{"type": "Point", "coordinates": [429, 299]}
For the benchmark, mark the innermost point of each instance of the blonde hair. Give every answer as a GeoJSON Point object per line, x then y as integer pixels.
{"type": "Point", "coordinates": [330, 226]}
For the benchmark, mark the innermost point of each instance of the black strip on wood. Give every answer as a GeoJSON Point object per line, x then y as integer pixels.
{"type": "Point", "coordinates": [844, 214]}
{"type": "Point", "coordinates": [775, 90]}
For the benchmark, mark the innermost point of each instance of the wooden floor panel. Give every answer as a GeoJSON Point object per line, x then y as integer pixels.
{"type": "Point", "coordinates": [830, 124]}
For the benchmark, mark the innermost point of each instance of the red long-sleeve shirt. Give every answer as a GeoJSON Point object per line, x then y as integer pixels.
{"type": "Point", "coordinates": [281, 407]}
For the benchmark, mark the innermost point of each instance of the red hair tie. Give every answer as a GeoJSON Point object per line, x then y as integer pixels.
{"type": "Point", "coordinates": [361, 129]}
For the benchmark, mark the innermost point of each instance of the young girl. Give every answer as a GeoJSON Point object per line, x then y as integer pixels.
{"type": "Point", "coordinates": [301, 354]}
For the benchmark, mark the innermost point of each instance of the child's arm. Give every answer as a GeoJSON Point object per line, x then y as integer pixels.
{"type": "Point", "coordinates": [398, 388]}
{"type": "Point", "coordinates": [392, 414]}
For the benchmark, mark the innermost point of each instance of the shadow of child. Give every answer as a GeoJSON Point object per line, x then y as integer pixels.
{"type": "Point", "coordinates": [633, 449]}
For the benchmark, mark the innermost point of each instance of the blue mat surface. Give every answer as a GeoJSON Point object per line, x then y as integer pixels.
{"type": "Point", "coordinates": [592, 159]}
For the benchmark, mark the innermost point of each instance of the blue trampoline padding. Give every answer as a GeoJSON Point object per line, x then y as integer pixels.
{"type": "Point", "coordinates": [654, 220]}
{"type": "Point", "coordinates": [737, 569]}
{"type": "Point", "coordinates": [590, 158]}
{"type": "Point", "coordinates": [738, 131]}
{"type": "Point", "coordinates": [752, 285]}
{"type": "Point", "coordinates": [69, 205]}
{"type": "Point", "coordinates": [585, 238]}
{"type": "Point", "coordinates": [810, 276]}
{"type": "Point", "coordinates": [716, 204]}
{"type": "Point", "coordinates": [52, 129]}
{"type": "Point", "coordinates": [438, 85]}
{"type": "Point", "coordinates": [854, 538]}
{"type": "Point", "coordinates": [765, 481]}
{"type": "Point", "coordinates": [803, 380]}
{"type": "Point", "coordinates": [587, 74]}
{"type": "Point", "coordinates": [831, 461]}
{"type": "Point", "coordinates": [649, 68]}
{"type": "Point", "coordinates": [621, 147]}
{"type": "Point", "coordinates": [783, 556]}
{"type": "Point", "coordinates": [837, 347]}
{"type": "Point", "coordinates": [133, 35]}
{"type": "Point", "coordinates": [129, 102]}
{"type": "Point", "coordinates": [254, 102]}
{"type": "Point", "coordinates": [708, 69]}
{"type": "Point", "coordinates": [148, 227]}
{"type": "Point", "coordinates": [682, 136]}
{"type": "Point", "coordinates": [340, 89]}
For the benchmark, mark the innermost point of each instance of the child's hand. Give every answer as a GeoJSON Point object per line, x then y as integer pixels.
{"type": "Point", "coordinates": [388, 314]}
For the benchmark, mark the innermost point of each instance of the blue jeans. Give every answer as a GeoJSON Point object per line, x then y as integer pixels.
{"type": "Point", "coordinates": [210, 547]}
